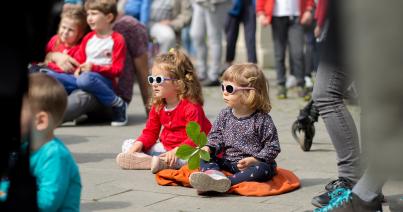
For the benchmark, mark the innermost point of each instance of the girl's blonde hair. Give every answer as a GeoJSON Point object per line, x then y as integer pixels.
{"type": "Point", "coordinates": [179, 67]}
{"type": "Point", "coordinates": [76, 13]}
{"type": "Point", "coordinates": [250, 75]}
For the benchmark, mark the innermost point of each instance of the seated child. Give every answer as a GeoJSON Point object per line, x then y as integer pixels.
{"type": "Point", "coordinates": [102, 55]}
{"type": "Point", "coordinates": [56, 172]}
{"type": "Point", "coordinates": [244, 132]}
{"type": "Point", "coordinates": [177, 100]}
{"type": "Point", "coordinates": [72, 27]}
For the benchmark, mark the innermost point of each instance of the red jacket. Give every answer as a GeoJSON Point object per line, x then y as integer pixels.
{"type": "Point", "coordinates": [54, 45]}
{"type": "Point", "coordinates": [174, 125]}
{"type": "Point", "coordinates": [267, 7]}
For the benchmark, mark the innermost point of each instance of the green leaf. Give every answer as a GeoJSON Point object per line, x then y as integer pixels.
{"type": "Point", "coordinates": [194, 162]}
{"type": "Point", "coordinates": [204, 155]}
{"type": "Point", "coordinates": [185, 151]}
{"type": "Point", "coordinates": [202, 140]}
{"type": "Point", "coordinates": [193, 131]}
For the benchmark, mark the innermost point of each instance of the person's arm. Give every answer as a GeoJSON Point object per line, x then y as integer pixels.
{"type": "Point", "coordinates": [151, 131]}
{"type": "Point", "coordinates": [261, 13]}
{"type": "Point", "coordinates": [184, 17]}
{"type": "Point", "coordinates": [270, 139]}
{"type": "Point", "coordinates": [53, 181]}
{"type": "Point", "coordinates": [118, 59]}
{"type": "Point", "coordinates": [145, 12]}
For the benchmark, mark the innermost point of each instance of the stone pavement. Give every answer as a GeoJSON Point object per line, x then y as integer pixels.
{"type": "Point", "coordinates": [108, 188]}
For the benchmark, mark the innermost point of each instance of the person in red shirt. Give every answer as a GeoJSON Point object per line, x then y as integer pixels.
{"type": "Point", "coordinates": [177, 100]}
{"type": "Point", "coordinates": [72, 28]}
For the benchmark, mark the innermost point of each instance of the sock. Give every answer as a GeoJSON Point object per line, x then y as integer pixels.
{"type": "Point", "coordinates": [118, 102]}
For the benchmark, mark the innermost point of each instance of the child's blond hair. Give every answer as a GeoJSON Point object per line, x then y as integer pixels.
{"type": "Point", "coordinates": [77, 14]}
{"type": "Point", "coordinates": [250, 75]}
{"type": "Point", "coordinates": [47, 94]}
{"type": "Point", "coordinates": [179, 67]}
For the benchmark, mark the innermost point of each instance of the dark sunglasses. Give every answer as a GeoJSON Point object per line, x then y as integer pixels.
{"type": "Point", "coordinates": [232, 89]}
{"type": "Point", "coordinates": [157, 79]}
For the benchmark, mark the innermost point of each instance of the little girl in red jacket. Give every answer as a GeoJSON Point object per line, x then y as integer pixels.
{"type": "Point", "coordinates": [177, 100]}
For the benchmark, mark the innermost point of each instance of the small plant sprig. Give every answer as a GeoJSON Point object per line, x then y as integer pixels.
{"type": "Point", "coordinates": [192, 154]}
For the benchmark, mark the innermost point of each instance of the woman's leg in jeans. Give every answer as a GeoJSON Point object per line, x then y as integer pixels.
{"type": "Point", "coordinates": [198, 35]}
{"type": "Point", "coordinates": [328, 98]}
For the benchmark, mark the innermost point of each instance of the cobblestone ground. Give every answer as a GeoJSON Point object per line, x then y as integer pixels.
{"type": "Point", "coordinates": [108, 188]}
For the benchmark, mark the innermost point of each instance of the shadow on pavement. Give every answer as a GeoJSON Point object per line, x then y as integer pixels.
{"type": "Point", "coordinates": [307, 182]}
{"type": "Point", "coordinates": [93, 157]}
{"type": "Point", "coordinates": [103, 205]}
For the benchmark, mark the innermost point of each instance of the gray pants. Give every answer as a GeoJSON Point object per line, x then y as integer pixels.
{"type": "Point", "coordinates": [165, 36]}
{"type": "Point", "coordinates": [328, 96]}
{"type": "Point", "coordinates": [80, 102]}
{"type": "Point", "coordinates": [379, 66]}
{"type": "Point", "coordinates": [211, 23]}
{"type": "Point", "coordinates": [288, 31]}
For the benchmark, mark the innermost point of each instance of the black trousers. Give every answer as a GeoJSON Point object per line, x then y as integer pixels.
{"type": "Point", "coordinates": [248, 18]}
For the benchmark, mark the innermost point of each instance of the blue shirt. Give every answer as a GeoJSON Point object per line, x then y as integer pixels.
{"type": "Point", "coordinates": [57, 177]}
{"type": "Point", "coordinates": [139, 9]}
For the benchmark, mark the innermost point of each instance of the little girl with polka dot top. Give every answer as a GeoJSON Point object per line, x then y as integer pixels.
{"type": "Point", "coordinates": [243, 139]}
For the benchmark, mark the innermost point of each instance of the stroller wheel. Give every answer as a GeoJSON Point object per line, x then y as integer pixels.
{"type": "Point", "coordinates": [303, 135]}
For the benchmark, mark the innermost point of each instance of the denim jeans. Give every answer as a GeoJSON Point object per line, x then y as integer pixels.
{"type": "Point", "coordinates": [328, 94]}
{"type": "Point", "coordinates": [69, 81]}
{"type": "Point", "coordinates": [91, 82]}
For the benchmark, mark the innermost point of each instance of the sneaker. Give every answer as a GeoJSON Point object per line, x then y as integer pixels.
{"type": "Point", "coordinates": [304, 92]}
{"type": "Point", "coordinates": [343, 200]}
{"type": "Point", "coordinates": [282, 92]}
{"type": "Point", "coordinates": [119, 116]}
{"type": "Point", "coordinates": [158, 164]}
{"type": "Point", "coordinates": [396, 205]}
{"type": "Point", "coordinates": [291, 81]}
{"type": "Point", "coordinates": [324, 199]}
{"type": "Point", "coordinates": [210, 180]}
{"type": "Point", "coordinates": [308, 82]}
{"type": "Point", "coordinates": [210, 83]}
{"type": "Point", "coordinates": [137, 160]}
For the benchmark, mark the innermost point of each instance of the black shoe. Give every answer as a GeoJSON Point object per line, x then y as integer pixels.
{"type": "Point", "coordinates": [119, 115]}
{"type": "Point", "coordinates": [210, 83]}
{"type": "Point", "coordinates": [343, 200]}
{"type": "Point", "coordinates": [323, 199]}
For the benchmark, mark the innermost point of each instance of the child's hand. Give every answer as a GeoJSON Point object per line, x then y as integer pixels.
{"type": "Point", "coordinates": [207, 149]}
{"type": "Point", "coordinates": [263, 19]}
{"type": "Point", "coordinates": [170, 156]}
{"type": "Point", "coordinates": [246, 162]}
{"type": "Point", "coordinates": [137, 147]}
{"type": "Point", "coordinates": [77, 72]}
{"type": "Point", "coordinates": [85, 67]}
